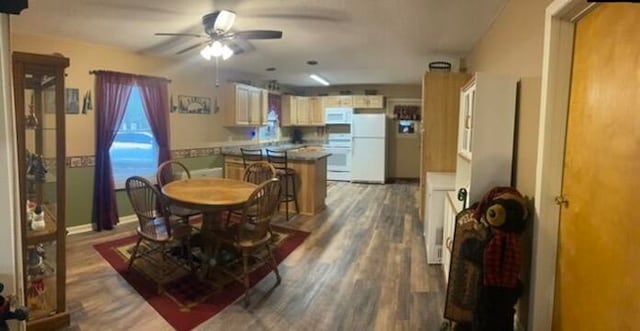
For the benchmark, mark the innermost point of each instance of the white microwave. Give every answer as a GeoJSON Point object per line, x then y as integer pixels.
{"type": "Point", "coordinates": [338, 115]}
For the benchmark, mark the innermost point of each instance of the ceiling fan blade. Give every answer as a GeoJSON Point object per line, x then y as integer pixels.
{"type": "Point", "coordinates": [195, 35]}
{"type": "Point", "coordinates": [191, 47]}
{"type": "Point", "coordinates": [258, 34]}
{"type": "Point", "coordinates": [235, 48]}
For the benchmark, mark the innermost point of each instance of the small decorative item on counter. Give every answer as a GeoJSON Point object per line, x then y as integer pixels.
{"type": "Point", "coordinates": [7, 311]}
{"type": "Point", "coordinates": [37, 220]}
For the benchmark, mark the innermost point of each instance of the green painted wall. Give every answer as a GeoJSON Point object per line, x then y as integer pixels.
{"type": "Point", "coordinates": [80, 189]}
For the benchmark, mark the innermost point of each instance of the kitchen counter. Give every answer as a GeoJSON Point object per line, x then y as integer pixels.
{"type": "Point", "coordinates": [295, 152]}
{"type": "Point", "coordinates": [310, 165]}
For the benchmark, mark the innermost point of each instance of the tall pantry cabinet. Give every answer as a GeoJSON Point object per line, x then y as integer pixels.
{"type": "Point", "coordinates": [439, 141]}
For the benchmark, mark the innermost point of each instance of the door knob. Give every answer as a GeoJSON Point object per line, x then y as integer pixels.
{"type": "Point", "coordinates": [561, 201]}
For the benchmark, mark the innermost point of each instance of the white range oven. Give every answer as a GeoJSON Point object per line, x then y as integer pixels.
{"type": "Point", "coordinates": [339, 163]}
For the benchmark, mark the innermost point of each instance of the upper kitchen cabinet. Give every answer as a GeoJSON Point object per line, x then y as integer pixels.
{"type": "Point", "coordinates": [338, 101]}
{"type": "Point", "coordinates": [38, 82]}
{"type": "Point", "coordinates": [316, 106]}
{"type": "Point", "coordinates": [289, 110]}
{"type": "Point", "coordinates": [244, 105]}
{"type": "Point", "coordinates": [368, 101]}
{"type": "Point", "coordinates": [302, 111]}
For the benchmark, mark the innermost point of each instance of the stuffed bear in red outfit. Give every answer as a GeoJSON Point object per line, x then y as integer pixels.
{"type": "Point", "coordinates": [503, 210]}
{"type": "Point", "coordinates": [6, 313]}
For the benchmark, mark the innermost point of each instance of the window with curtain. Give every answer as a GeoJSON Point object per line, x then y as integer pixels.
{"type": "Point", "coordinates": [134, 151]}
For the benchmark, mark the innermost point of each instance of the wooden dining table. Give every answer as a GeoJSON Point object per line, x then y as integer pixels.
{"type": "Point", "coordinates": [209, 195]}
{"type": "Point", "coordinates": [212, 196]}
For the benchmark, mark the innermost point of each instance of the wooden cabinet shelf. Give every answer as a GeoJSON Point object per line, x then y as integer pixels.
{"type": "Point", "coordinates": [38, 82]}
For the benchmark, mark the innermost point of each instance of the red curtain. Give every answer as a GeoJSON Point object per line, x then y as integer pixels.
{"type": "Point", "coordinates": [112, 95]}
{"type": "Point", "coordinates": [155, 98]}
{"type": "Point", "coordinates": [113, 90]}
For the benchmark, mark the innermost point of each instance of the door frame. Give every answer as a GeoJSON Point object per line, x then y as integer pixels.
{"type": "Point", "coordinates": [560, 19]}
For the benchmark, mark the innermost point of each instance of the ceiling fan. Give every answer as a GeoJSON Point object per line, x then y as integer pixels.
{"type": "Point", "coordinates": [219, 37]}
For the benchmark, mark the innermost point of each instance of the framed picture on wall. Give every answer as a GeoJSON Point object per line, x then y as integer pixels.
{"type": "Point", "coordinates": [194, 105]}
{"type": "Point", "coordinates": [72, 100]}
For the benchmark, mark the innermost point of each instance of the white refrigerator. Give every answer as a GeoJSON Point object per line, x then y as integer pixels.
{"type": "Point", "coordinates": [368, 149]}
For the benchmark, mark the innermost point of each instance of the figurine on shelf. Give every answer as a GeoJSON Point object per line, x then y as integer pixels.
{"type": "Point", "coordinates": [6, 313]}
{"type": "Point", "coordinates": [36, 294]}
{"type": "Point", "coordinates": [36, 167]}
{"type": "Point", "coordinates": [37, 219]}
{"type": "Point", "coordinates": [31, 121]}
{"type": "Point", "coordinates": [35, 262]}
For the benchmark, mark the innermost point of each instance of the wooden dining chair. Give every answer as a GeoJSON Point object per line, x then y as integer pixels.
{"type": "Point", "coordinates": [155, 225]}
{"type": "Point", "coordinates": [256, 173]}
{"type": "Point", "coordinates": [248, 237]}
{"type": "Point", "coordinates": [170, 171]}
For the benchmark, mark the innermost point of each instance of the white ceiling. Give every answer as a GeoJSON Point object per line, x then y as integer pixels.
{"type": "Point", "coordinates": [354, 41]}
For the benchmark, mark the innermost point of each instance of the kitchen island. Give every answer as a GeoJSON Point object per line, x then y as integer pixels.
{"type": "Point", "coordinates": [310, 164]}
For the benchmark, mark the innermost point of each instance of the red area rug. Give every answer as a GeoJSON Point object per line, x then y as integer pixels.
{"type": "Point", "coordinates": [188, 301]}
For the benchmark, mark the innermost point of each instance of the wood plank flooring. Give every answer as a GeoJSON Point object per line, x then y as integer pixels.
{"type": "Point", "coordinates": [362, 268]}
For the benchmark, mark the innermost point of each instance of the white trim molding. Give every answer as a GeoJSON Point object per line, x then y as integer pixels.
{"type": "Point", "coordinates": [560, 18]}
{"type": "Point", "coordinates": [89, 226]}
{"type": "Point", "coordinates": [10, 206]}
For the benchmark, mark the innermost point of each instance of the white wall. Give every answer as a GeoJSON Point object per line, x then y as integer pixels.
{"type": "Point", "coordinates": [9, 232]}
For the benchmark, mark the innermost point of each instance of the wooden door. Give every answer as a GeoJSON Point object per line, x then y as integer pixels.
{"type": "Point", "coordinates": [598, 270]}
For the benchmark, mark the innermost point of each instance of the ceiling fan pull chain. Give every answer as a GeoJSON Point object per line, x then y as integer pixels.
{"type": "Point", "coordinates": [217, 74]}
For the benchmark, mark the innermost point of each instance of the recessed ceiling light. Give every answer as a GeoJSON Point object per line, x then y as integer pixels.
{"type": "Point", "coordinates": [271, 69]}
{"type": "Point", "coordinates": [312, 62]}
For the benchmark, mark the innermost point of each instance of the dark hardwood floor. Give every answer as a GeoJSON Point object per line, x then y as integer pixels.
{"type": "Point", "coordinates": [362, 268]}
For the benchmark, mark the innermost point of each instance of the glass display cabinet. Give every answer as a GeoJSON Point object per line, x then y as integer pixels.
{"type": "Point", "coordinates": [40, 128]}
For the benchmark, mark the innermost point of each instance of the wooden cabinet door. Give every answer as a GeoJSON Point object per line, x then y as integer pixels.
{"type": "Point", "coordinates": [289, 110]}
{"type": "Point", "coordinates": [317, 111]}
{"type": "Point", "coordinates": [255, 102]}
{"type": "Point", "coordinates": [264, 107]}
{"type": "Point", "coordinates": [375, 101]}
{"type": "Point", "coordinates": [304, 116]}
{"type": "Point", "coordinates": [360, 101]}
{"type": "Point", "coordinates": [233, 169]}
{"type": "Point", "coordinates": [334, 101]}
{"type": "Point", "coordinates": [242, 105]}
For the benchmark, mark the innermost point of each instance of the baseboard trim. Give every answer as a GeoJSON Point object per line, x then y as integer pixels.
{"type": "Point", "coordinates": [77, 229]}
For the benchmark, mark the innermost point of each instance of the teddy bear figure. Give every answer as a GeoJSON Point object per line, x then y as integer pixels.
{"type": "Point", "coordinates": [503, 211]}
{"type": "Point", "coordinates": [6, 313]}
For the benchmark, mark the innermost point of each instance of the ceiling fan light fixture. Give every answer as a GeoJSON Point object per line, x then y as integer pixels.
{"type": "Point", "coordinates": [320, 79]}
{"type": "Point", "coordinates": [216, 49]}
{"type": "Point", "coordinates": [206, 53]}
{"type": "Point", "coordinates": [224, 21]}
{"type": "Point", "coordinates": [227, 52]}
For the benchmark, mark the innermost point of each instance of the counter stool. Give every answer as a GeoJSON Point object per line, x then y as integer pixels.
{"type": "Point", "coordinates": [250, 155]}
{"type": "Point", "coordinates": [287, 177]}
